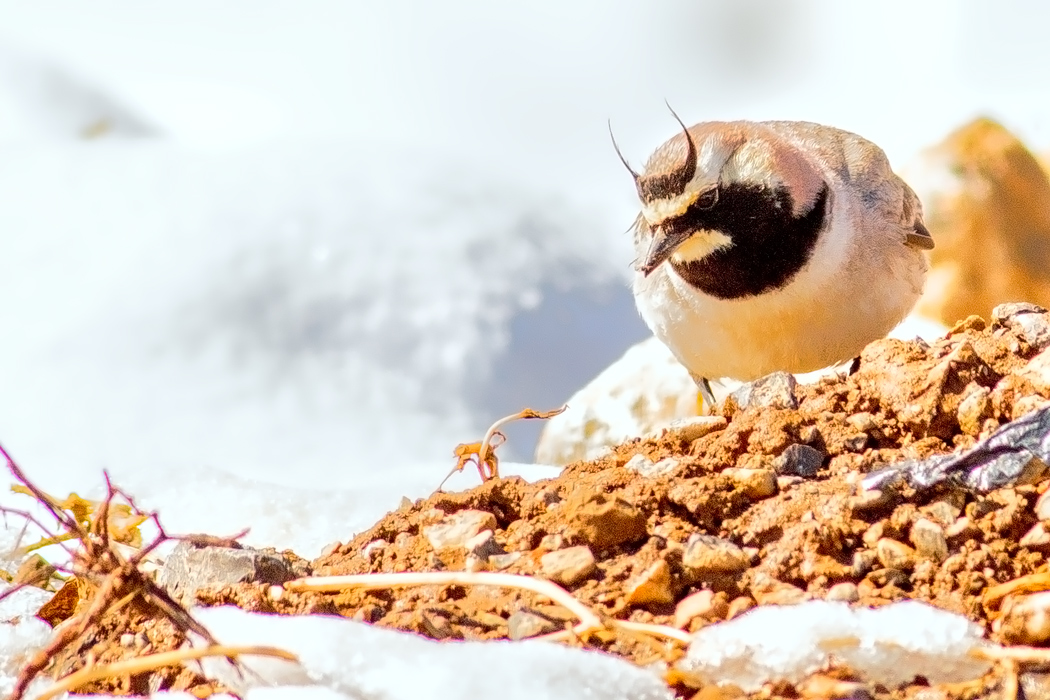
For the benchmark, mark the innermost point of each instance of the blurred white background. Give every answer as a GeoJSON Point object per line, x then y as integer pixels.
{"type": "Point", "coordinates": [308, 242]}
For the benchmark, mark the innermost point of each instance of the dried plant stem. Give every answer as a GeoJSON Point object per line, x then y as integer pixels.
{"type": "Point", "coordinates": [664, 631]}
{"type": "Point", "coordinates": [589, 622]}
{"type": "Point", "coordinates": [154, 661]}
{"type": "Point", "coordinates": [524, 414]}
{"type": "Point", "coordinates": [1018, 654]}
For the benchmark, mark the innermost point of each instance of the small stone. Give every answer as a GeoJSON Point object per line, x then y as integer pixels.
{"type": "Point", "coordinates": [961, 530]}
{"type": "Point", "coordinates": [190, 568]}
{"type": "Point", "coordinates": [551, 542]}
{"type": "Point", "coordinates": [775, 390]}
{"type": "Point", "coordinates": [275, 592]}
{"type": "Point", "coordinates": [863, 422]}
{"type": "Point", "coordinates": [127, 640]}
{"type": "Point", "coordinates": [874, 533]}
{"type": "Point", "coordinates": [523, 625]}
{"type": "Point", "coordinates": [855, 443]}
{"type": "Point", "coordinates": [568, 566]}
{"type": "Point", "coordinates": [1036, 685]}
{"type": "Point", "coordinates": [974, 409]}
{"type": "Point", "coordinates": [705, 604]}
{"type": "Point", "coordinates": [503, 561]}
{"type": "Point", "coordinates": [755, 483]}
{"type": "Point", "coordinates": [645, 466]}
{"type": "Point", "coordinates": [739, 606]}
{"type": "Point", "coordinates": [863, 561]}
{"type": "Point", "coordinates": [1042, 506]}
{"type": "Point", "coordinates": [1026, 620]}
{"type": "Point", "coordinates": [889, 576]}
{"type": "Point", "coordinates": [1027, 320]}
{"type": "Point", "coordinates": [654, 586]}
{"type": "Point", "coordinates": [846, 592]}
{"type": "Point", "coordinates": [895, 555]}
{"type": "Point", "coordinates": [1037, 371]}
{"type": "Point", "coordinates": [929, 540]}
{"type": "Point", "coordinates": [436, 626]}
{"type": "Point", "coordinates": [809, 434]}
{"type": "Point", "coordinates": [373, 548]}
{"type": "Point", "coordinates": [773, 592]}
{"type": "Point", "coordinates": [799, 460]}
{"type": "Point", "coordinates": [693, 428]}
{"type": "Point", "coordinates": [942, 512]}
{"type": "Point", "coordinates": [483, 545]}
{"type": "Point", "coordinates": [1037, 538]}
{"type": "Point", "coordinates": [786, 482]}
{"type": "Point", "coordinates": [457, 529]}
{"type": "Point", "coordinates": [603, 521]}
{"type": "Point", "coordinates": [707, 554]}
{"type": "Point", "coordinates": [828, 688]}
{"type": "Point", "coordinates": [870, 500]}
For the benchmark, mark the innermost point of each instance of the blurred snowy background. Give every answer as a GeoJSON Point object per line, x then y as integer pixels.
{"type": "Point", "coordinates": [256, 249]}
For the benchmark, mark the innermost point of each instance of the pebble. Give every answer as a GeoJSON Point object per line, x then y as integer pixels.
{"type": "Point", "coordinates": [707, 554]}
{"type": "Point", "coordinates": [755, 483]}
{"type": "Point", "coordinates": [127, 640]}
{"type": "Point", "coordinates": [1037, 538]}
{"type": "Point", "coordinates": [646, 467]}
{"type": "Point", "coordinates": [846, 592]}
{"type": "Point", "coordinates": [1026, 620]}
{"type": "Point", "coordinates": [863, 561]}
{"type": "Point", "coordinates": [705, 604]}
{"type": "Point", "coordinates": [603, 521]}
{"type": "Point", "coordinates": [888, 576]}
{"type": "Point", "coordinates": [1036, 686]}
{"type": "Point", "coordinates": [874, 533]}
{"type": "Point", "coordinates": [1037, 371]}
{"type": "Point", "coordinates": [693, 428]}
{"type": "Point", "coordinates": [457, 529]}
{"type": "Point", "coordinates": [568, 566]}
{"type": "Point", "coordinates": [776, 390]}
{"type": "Point", "coordinates": [375, 547]}
{"type": "Point", "coordinates": [962, 530]}
{"type": "Point", "coordinates": [974, 409]}
{"type": "Point", "coordinates": [855, 443]}
{"type": "Point", "coordinates": [929, 540]}
{"type": "Point", "coordinates": [786, 482]}
{"type": "Point", "coordinates": [483, 545]}
{"type": "Point", "coordinates": [551, 542]}
{"type": "Point", "coordinates": [1042, 506]}
{"type": "Point", "coordinates": [895, 555]}
{"type": "Point", "coordinates": [942, 512]}
{"type": "Point", "coordinates": [868, 500]}
{"type": "Point", "coordinates": [862, 422]}
{"type": "Point", "coordinates": [828, 688]}
{"type": "Point", "coordinates": [523, 625]}
{"type": "Point", "coordinates": [503, 561]}
{"type": "Point", "coordinates": [1028, 320]}
{"type": "Point", "coordinates": [799, 460]}
{"type": "Point", "coordinates": [190, 568]}
{"type": "Point", "coordinates": [739, 606]}
{"type": "Point", "coordinates": [653, 586]}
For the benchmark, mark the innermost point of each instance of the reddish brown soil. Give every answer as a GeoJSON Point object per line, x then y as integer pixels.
{"type": "Point", "coordinates": [811, 534]}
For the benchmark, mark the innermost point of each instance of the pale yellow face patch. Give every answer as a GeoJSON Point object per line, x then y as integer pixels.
{"type": "Point", "coordinates": [700, 245]}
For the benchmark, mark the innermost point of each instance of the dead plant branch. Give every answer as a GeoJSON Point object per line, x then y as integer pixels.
{"type": "Point", "coordinates": [153, 662]}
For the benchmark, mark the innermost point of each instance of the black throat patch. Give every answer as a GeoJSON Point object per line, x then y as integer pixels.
{"type": "Point", "coordinates": [770, 245]}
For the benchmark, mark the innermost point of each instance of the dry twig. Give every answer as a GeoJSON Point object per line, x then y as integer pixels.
{"type": "Point", "coordinates": [152, 662]}
{"type": "Point", "coordinates": [116, 579]}
{"type": "Point", "coordinates": [483, 454]}
{"type": "Point", "coordinates": [589, 621]}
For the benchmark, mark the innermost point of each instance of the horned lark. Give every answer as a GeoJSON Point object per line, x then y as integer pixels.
{"type": "Point", "coordinates": [766, 246]}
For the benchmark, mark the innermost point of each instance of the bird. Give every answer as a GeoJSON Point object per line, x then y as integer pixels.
{"type": "Point", "coordinates": [767, 246]}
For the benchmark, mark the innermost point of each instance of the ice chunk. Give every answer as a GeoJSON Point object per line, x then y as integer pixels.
{"type": "Point", "coordinates": [360, 660]}
{"type": "Point", "coordinates": [21, 634]}
{"type": "Point", "coordinates": [890, 645]}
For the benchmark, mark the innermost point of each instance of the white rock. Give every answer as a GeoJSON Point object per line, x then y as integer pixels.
{"type": "Point", "coordinates": [644, 389]}
{"type": "Point", "coordinates": [890, 645]}
{"type": "Point", "coordinates": [646, 467]}
{"type": "Point", "coordinates": [1037, 371]}
{"type": "Point", "coordinates": [457, 529]}
{"type": "Point", "coordinates": [568, 566]}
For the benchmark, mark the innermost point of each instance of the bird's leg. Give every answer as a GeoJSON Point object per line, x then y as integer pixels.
{"type": "Point", "coordinates": [707, 395]}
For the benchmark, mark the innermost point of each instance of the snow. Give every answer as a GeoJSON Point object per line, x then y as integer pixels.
{"type": "Point", "coordinates": [357, 660]}
{"type": "Point", "coordinates": [890, 645]}
{"type": "Point", "coordinates": [305, 252]}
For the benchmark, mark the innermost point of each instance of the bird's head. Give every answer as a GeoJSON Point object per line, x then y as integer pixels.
{"type": "Point", "coordinates": [715, 182]}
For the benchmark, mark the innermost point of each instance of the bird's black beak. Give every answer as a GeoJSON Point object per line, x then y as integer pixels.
{"type": "Point", "coordinates": [663, 246]}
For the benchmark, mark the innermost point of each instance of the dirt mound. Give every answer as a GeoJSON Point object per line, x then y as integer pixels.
{"type": "Point", "coordinates": [763, 509]}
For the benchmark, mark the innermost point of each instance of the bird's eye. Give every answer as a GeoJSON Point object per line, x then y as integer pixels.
{"type": "Point", "coordinates": [708, 199]}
